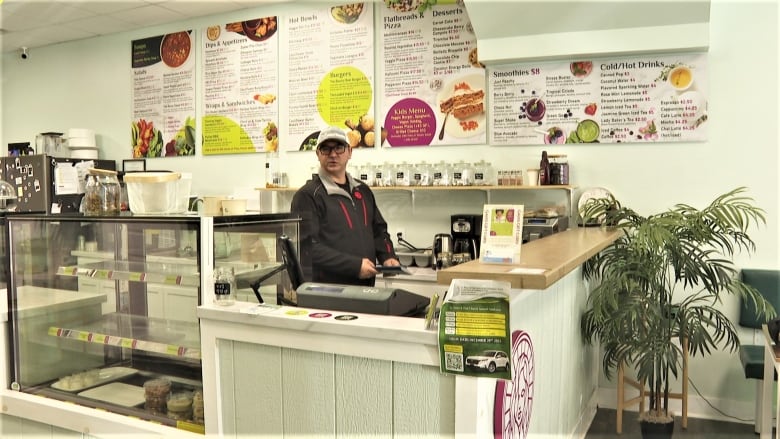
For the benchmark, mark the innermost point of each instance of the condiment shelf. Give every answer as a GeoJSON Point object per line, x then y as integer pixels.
{"type": "Point", "coordinates": [143, 334]}
{"type": "Point", "coordinates": [167, 274]}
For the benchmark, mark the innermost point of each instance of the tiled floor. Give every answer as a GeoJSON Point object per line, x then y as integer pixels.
{"type": "Point", "coordinates": [603, 427]}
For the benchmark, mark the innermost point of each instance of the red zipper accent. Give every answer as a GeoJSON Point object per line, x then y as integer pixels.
{"type": "Point", "coordinates": [365, 213]}
{"type": "Point", "coordinates": [346, 214]}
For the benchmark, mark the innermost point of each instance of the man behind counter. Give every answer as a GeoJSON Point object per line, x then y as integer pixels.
{"type": "Point", "coordinates": [343, 233]}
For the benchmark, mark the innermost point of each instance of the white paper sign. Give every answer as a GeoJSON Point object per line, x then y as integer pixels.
{"type": "Point", "coordinates": [502, 233]}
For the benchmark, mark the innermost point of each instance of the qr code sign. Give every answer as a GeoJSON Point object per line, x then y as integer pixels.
{"type": "Point", "coordinates": [453, 361]}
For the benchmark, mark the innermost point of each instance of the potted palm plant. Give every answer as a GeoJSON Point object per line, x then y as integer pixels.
{"type": "Point", "coordinates": [661, 282]}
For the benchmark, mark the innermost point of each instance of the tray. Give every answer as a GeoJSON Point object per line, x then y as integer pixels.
{"type": "Point", "coordinates": [117, 393]}
{"type": "Point", "coordinates": [86, 380]}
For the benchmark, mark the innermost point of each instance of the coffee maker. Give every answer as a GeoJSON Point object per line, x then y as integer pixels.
{"type": "Point", "coordinates": [466, 231]}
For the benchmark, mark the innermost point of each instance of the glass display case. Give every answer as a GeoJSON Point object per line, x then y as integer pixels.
{"type": "Point", "coordinates": [103, 309]}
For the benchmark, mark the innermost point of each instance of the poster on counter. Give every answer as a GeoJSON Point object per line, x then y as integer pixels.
{"type": "Point", "coordinates": [651, 98]}
{"type": "Point", "coordinates": [502, 233]}
{"type": "Point", "coordinates": [240, 87]}
{"type": "Point", "coordinates": [163, 69]}
{"type": "Point", "coordinates": [329, 75]}
{"type": "Point", "coordinates": [474, 329]}
{"type": "Point", "coordinates": [433, 85]}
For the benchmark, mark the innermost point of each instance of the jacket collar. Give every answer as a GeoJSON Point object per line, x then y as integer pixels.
{"type": "Point", "coordinates": [332, 188]}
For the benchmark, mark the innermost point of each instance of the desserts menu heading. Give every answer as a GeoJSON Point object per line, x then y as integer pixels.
{"type": "Point", "coordinates": [637, 99]}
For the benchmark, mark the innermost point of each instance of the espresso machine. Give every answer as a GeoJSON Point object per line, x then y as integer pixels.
{"type": "Point", "coordinates": [466, 231]}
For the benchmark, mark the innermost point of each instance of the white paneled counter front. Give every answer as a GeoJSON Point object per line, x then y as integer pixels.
{"type": "Point", "coordinates": [294, 372]}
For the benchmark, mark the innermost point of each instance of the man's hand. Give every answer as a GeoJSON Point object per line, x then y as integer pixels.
{"type": "Point", "coordinates": [367, 269]}
{"type": "Point", "coordinates": [392, 262]}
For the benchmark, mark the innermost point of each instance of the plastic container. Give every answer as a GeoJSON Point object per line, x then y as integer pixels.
{"type": "Point", "coordinates": [156, 393]}
{"type": "Point", "coordinates": [179, 406]}
{"type": "Point", "coordinates": [156, 192]}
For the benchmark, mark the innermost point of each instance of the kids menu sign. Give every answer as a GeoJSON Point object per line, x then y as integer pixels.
{"type": "Point", "coordinates": [639, 99]}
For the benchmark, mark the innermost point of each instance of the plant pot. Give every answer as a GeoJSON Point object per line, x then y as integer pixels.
{"type": "Point", "coordinates": [656, 430]}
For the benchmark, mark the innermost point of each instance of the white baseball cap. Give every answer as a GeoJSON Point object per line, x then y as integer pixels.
{"type": "Point", "coordinates": [332, 133]}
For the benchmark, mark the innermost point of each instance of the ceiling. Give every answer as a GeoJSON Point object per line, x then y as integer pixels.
{"type": "Point", "coordinates": [36, 23]}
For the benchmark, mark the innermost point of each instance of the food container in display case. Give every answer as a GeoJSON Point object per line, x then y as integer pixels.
{"type": "Point", "coordinates": [114, 327]}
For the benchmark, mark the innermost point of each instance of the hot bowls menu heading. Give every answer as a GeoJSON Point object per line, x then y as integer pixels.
{"type": "Point", "coordinates": [637, 99]}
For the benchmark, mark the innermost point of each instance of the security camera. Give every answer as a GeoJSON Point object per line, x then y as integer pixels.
{"type": "Point", "coordinates": [23, 53]}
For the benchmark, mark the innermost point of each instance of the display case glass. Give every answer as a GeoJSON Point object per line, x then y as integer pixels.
{"type": "Point", "coordinates": [103, 309]}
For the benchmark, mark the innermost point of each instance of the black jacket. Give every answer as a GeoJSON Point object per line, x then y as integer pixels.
{"type": "Point", "coordinates": [340, 229]}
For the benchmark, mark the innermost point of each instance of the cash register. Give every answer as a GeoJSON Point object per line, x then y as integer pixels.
{"type": "Point", "coordinates": [348, 298]}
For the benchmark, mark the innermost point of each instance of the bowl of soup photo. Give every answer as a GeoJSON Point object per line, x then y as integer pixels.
{"type": "Point", "coordinates": [175, 49]}
{"type": "Point", "coordinates": [680, 78]}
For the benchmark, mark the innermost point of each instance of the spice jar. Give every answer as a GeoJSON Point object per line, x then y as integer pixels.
{"type": "Point", "coordinates": [102, 193]}
{"type": "Point", "coordinates": [559, 169]}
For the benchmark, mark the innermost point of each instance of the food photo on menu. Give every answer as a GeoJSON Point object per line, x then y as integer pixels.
{"type": "Point", "coordinates": [152, 59]}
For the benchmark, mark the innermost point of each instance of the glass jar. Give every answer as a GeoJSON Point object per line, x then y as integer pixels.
{"type": "Point", "coordinates": [403, 175]}
{"type": "Point", "coordinates": [559, 169]}
{"type": "Point", "coordinates": [463, 174]}
{"type": "Point", "coordinates": [102, 193]}
{"type": "Point", "coordinates": [273, 172]}
{"type": "Point", "coordinates": [442, 174]}
{"type": "Point", "coordinates": [366, 174]}
{"type": "Point", "coordinates": [379, 175]}
{"type": "Point", "coordinates": [480, 174]}
{"type": "Point", "coordinates": [388, 174]}
{"type": "Point", "coordinates": [423, 175]}
{"type": "Point", "coordinates": [224, 286]}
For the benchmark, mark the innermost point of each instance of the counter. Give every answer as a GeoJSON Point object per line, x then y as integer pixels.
{"type": "Point", "coordinates": [336, 373]}
{"type": "Point", "coordinates": [542, 261]}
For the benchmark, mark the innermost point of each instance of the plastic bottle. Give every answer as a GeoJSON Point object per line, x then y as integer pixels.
{"type": "Point", "coordinates": [544, 170]}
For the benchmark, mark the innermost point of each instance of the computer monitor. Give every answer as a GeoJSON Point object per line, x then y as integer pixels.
{"type": "Point", "coordinates": [291, 262]}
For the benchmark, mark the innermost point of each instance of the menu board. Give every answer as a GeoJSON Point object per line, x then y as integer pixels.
{"type": "Point", "coordinates": [330, 75]}
{"type": "Point", "coordinates": [240, 87]}
{"type": "Point", "coordinates": [433, 86]}
{"type": "Point", "coordinates": [163, 122]}
{"type": "Point", "coordinates": [637, 99]}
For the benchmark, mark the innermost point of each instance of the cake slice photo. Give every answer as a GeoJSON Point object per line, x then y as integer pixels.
{"type": "Point", "coordinates": [464, 100]}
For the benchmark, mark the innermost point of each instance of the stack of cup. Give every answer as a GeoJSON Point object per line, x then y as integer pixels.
{"type": "Point", "coordinates": [81, 142]}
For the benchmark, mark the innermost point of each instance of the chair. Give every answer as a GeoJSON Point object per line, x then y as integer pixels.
{"type": "Point", "coordinates": [767, 282]}
{"type": "Point", "coordinates": [623, 403]}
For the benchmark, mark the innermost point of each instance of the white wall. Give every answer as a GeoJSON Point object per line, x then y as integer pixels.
{"type": "Point", "coordinates": [88, 84]}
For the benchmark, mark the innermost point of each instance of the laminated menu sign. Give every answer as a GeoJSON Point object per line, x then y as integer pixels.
{"type": "Point", "coordinates": [502, 233]}
{"type": "Point", "coordinates": [163, 121]}
{"type": "Point", "coordinates": [329, 74]}
{"type": "Point", "coordinates": [240, 87]}
{"type": "Point", "coordinates": [652, 98]}
{"type": "Point", "coordinates": [433, 88]}
{"type": "Point", "coordinates": [474, 329]}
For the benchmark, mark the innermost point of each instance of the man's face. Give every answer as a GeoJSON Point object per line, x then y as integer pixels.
{"type": "Point", "coordinates": [333, 162]}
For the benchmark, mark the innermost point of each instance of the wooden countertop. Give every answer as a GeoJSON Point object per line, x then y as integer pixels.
{"type": "Point", "coordinates": [542, 262]}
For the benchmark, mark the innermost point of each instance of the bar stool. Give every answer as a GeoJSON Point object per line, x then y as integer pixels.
{"type": "Point", "coordinates": [623, 403]}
